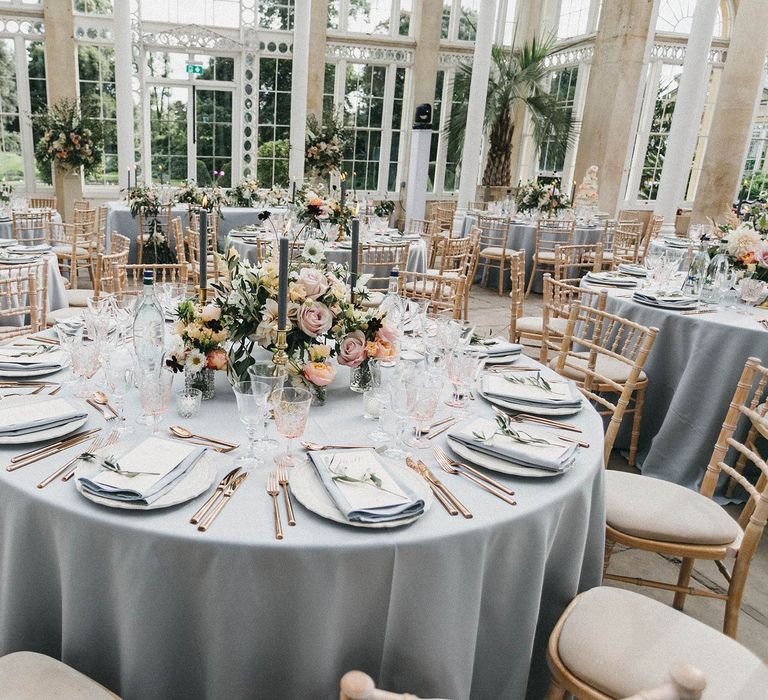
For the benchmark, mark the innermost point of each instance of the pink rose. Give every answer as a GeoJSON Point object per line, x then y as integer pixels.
{"type": "Point", "coordinates": [352, 349]}
{"type": "Point", "coordinates": [319, 373]}
{"type": "Point", "coordinates": [313, 281]}
{"type": "Point", "coordinates": [210, 312]}
{"type": "Point", "coordinates": [762, 256]}
{"type": "Point", "coordinates": [217, 359]}
{"type": "Point", "coordinates": [387, 332]}
{"type": "Point", "coordinates": [314, 319]}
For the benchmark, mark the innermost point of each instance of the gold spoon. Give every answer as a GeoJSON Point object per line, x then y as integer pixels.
{"type": "Point", "coordinates": [185, 434]}
{"type": "Point", "coordinates": [317, 447]}
{"type": "Point", "coordinates": [102, 399]}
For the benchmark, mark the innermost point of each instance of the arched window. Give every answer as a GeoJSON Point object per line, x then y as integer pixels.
{"type": "Point", "coordinates": [676, 16]}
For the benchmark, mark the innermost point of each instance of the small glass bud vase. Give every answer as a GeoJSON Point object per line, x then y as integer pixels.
{"type": "Point", "coordinates": [366, 376]}
{"type": "Point", "coordinates": [202, 380]}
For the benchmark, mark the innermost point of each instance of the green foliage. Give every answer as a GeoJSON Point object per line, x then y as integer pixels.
{"type": "Point", "coordinates": [754, 187]}
{"type": "Point", "coordinates": [278, 150]}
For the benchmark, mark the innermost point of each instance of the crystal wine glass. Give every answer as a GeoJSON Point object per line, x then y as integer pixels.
{"type": "Point", "coordinates": [252, 398]}
{"type": "Point", "coordinates": [267, 372]}
{"type": "Point", "coordinates": [463, 367]}
{"type": "Point", "coordinates": [291, 411]}
{"type": "Point", "coordinates": [155, 390]}
{"type": "Point", "coordinates": [86, 360]}
{"type": "Point", "coordinates": [422, 396]}
{"type": "Point", "coordinates": [119, 373]}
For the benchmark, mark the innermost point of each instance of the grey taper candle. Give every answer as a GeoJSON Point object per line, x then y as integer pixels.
{"type": "Point", "coordinates": [355, 252]}
{"type": "Point", "coordinates": [282, 293]}
{"type": "Point", "coordinates": [203, 224]}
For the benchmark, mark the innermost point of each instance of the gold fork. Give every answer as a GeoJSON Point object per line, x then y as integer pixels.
{"type": "Point", "coordinates": [282, 478]}
{"type": "Point", "coordinates": [446, 467]}
{"type": "Point", "coordinates": [272, 490]}
{"type": "Point", "coordinates": [110, 440]}
{"type": "Point", "coordinates": [95, 445]}
{"type": "Point", "coordinates": [440, 452]}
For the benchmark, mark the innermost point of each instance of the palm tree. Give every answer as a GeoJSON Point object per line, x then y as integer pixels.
{"type": "Point", "coordinates": [517, 76]}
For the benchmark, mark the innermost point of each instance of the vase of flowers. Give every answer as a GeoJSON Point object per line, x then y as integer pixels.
{"type": "Point", "coordinates": [363, 339]}
{"type": "Point", "coordinates": [6, 192]}
{"type": "Point", "coordinates": [146, 203]}
{"type": "Point", "coordinates": [189, 194]}
{"type": "Point", "coordinates": [552, 201]}
{"type": "Point", "coordinates": [325, 145]}
{"type": "Point", "coordinates": [198, 351]}
{"type": "Point", "coordinates": [245, 193]}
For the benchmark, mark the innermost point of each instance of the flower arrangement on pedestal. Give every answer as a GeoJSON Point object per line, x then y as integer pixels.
{"type": "Point", "coordinates": [274, 197]}
{"type": "Point", "coordinates": [214, 198]}
{"type": "Point", "coordinates": [198, 352]}
{"type": "Point", "coordinates": [68, 141]}
{"type": "Point", "coordinates": [553, 200]}
{"type": "Point", "coordinates": [325, 144]}
{"type": "Point", "coordinates": [146, 201]}
{"type": "Point", "coordinates": [528, 196]}
{"type": "Point", "coordinates": [313, 209]}
{"type": "Point", "coordinates": [245, 193]}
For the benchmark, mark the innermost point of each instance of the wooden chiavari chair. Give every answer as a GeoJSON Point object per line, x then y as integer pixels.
{"type": "Point", "coordinates": [39, 299]}
{"type": "Point", "coordinates": [177, 231]}
{"type": "Point", "coordinates": [445, 294]}
{"type": "Point", "coordinates": [605, 355]}
{"type": "Point", "coordinates": [494, 249]}
{"type": "Point", "coordinates": [112, 266]}
{"type": "Point", "coordinates": [444, 214]}
{"type": "Point", "coordinates": [420, 227]}
{"type": "Point", "coordinates": [29, 228]}
{"type": "Point", "coordinates": [18, 295]}
{"type": "Point", "coordinates": [128, 279]}
{"type": "Point", "coordinates": [627, 244]}
{"type": "Point", "coordinates": [682, 223]}
{"type": "Point", "coordinates": [75, 246]}
{"type": "Point", "coordinates": [572, 262]}
{"type": "Point", "coordinates": [663, 517]}
{"type": "Point", "coordinates": [192, 264]}
{"type": "Point", "coordinates": [42, 202]}
{"type": "Point", "coordinates": [613, 643]}
{"type": "Point", "coordinates": [470, 271]}
{"type": "Point", "coordinates": [378, 260]}
{"type": "Point", "coordinates": [148, 225]}
{"type": "Point", "coordinates": [85, 217]}
{"type": "Point", "coordinates": [478, 206]}
{"type": "Point", "coordinates": [82, 204]}
{"type": "Point", "coordinates": [653, 230]}
{"type": "Point", "coordinates": [213, 228]}
{"type": "Point", "coordinates": [549, 234]}
{"type": "Point", "coordinates": [452, 256]}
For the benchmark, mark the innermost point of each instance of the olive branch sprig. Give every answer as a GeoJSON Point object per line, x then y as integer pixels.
{"type": "Point", "coordinates": [110, 463]}
{"type": "Point", "coordinates": [367, 479]}
{"type": "Point", "coordinates": [537, 381]}
{"type": "Point", "coordinates": [505, 428]}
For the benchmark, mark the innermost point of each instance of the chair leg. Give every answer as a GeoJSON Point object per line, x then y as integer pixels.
{"type": "Point", "coordinates": [636, 420]}
{"type": "Point", "coordinates": [609, 545]}
{"type": "Point", "coordinates": [502, 268]}
{"type": "Point", "coordinates": [686, 569]}
{"type": "Point", "coordinates": [555, 692]}
{"type": "Point", "coordinates": [73, 273]}
{"type": "Point", "coordinates": [735, 594]}
{"type": "Point", "coordinates": [533, 277]}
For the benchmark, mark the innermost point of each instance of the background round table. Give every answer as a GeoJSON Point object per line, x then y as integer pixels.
{"type": "Point", "coordinates": [692, 369]}
{"type": "Point", "coordinates": [6, 225]}
{"type": "Point", "coordinates": [152, 608]}
{"type": "Point", "coordinates": [522, 236]}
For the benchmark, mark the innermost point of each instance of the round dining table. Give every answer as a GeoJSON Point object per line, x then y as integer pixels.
{"type": "Point", "coordinates": [152, 608]}
{"type": "Point", "coordinates": [693, 369]}
{"type": "Point", "coordinates": [6, 223]}
{"type": "Point", "coordinates": [522, 236]}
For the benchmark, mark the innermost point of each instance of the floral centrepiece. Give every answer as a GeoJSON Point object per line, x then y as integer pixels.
{"type": "Point", "coordinates": [245, 193]}
{"type": "Point", "coordinates": [313, 209]}
{"type": "Point", "coordinates": [6, 193]}
{"type": "Point", "coordinates": [536, 197]}
{"type": "Point", "coordinates": [325, 145]}
{"type": "Point", "coordinates": [146, 201]}
{"type": "Point", "coordinates": [198, 350]}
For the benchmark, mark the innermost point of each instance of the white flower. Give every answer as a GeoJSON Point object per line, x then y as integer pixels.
{"type": "Point", "coordinates": [313, 251]}
{"type": "Point", "coordinates": [196, 361]}
{"type": "Point", "coordinates": [742, 240]}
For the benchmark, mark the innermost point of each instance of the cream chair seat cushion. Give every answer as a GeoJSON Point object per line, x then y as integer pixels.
{"type": "Point", "coordinates": [607, 255]}
{"type": "Point", "coordinates": [25, 675]}
{"type": "Point", "coordinates": [660, 510]}
{"type": "Point", "coordinates": [66, 251]}
{"type": "Point", "coordinates": [59, 314]}
{"type": "Point", "coordinates": [534, 324]}
{"type": "Point", "coordinates": [494, 252]}
{"type": "Point", "coordinates": [450, 274]}
{"type": "Point", "coordinates": [622, 643]}
{"type": "Point", "coordinates": [79, 297]}
{"type": "Point", "coordinates": [605, 366]}
{"type": "Point", "coordinates": [428, 287]}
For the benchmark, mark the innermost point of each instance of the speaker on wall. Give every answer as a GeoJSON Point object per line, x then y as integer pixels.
{"type": "Point", "coordinates": [423, 117]}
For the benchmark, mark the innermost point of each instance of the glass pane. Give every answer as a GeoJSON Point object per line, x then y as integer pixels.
{"type": "Point", "coordinates": [168, 128]}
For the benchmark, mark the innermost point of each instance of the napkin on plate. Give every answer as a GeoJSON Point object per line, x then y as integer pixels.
{"type": "Point", "coordinates": [563, 394]}
{"type": "Point", "coordinates": [33, 417]}
{"type": "Point", "coordinates": [631, 269]}
{"type": "Point", "coordinates": [610, 279]}
{"type": "Point", "coordinates": [670, 300]}
{"type": "Point", "coordinates": [16, 359]}
{"type": "Point", "coordinates": [555, 456]}
{"type": "Point", "coordinates": [365, 502]}
{"type": "Point", "coordinates": [161, 464]}
{"type": "Point", "coordinates": [38, 248]}
{"type": "Point", "coordinates": [497, 347]}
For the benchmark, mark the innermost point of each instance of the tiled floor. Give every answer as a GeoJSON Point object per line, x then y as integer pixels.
{"type": "Point", "coordinates": [490, 312]}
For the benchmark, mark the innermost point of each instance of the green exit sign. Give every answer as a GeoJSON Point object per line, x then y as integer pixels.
{"type": "Point", "coordinates": [195, 68]}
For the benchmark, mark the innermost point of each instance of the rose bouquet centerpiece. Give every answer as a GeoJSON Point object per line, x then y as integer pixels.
{"type": "Point", "coordinates": [325, 143]}
{"type": "Point", "coordinates": [214, 198]}
{"type": "Point", "coordinates": [553, 200]}
{"type": "Point", "coordinates": [6, 193]}
{"type": "Point", "coordinates": [146, 201]}
{"type": "Point", "coordinates": [198, 350]}
{"type": "Point", "coordinates": [529, 196]}
{"type": "Point", "coordinates": [189, 194]}
{"type": "Point", "coordinates": [746, 248]}
{"type": "Point", "coordinates": [363, 339]}
{"type": "Point", "coordinates": [245, 193]}
{"type": "Point", "coordinates": [317, 302]}
{"type": "Point", "coordinates": [274, 196]}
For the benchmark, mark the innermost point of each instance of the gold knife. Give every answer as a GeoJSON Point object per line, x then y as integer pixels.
{"type": "Point", "coordinates": [462, 508]}
{"type": "Point", "coordinates": [439, 495]}
{"type": "Point", "coordinates": [225, 498]}
{"type": "Point", "coordinates": [197, 517]}
{"type": "Point", "coordinates": [30, 453]}
{"type": "Point", "coordinates": [55, 449]}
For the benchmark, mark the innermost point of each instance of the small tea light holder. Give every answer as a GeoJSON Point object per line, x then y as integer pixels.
{"type": "Point", "coordinates": [188, 402]}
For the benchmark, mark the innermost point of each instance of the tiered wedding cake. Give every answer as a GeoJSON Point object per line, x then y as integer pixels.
{"type": "Point", "coordinates": [585, 202]}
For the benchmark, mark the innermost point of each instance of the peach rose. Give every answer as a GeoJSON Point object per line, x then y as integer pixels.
{"type": "Point", "coordinates": [313, 281]}
{"type": "Point", "coordinates": [210, 312]}
{"type": "Point", "coordinates": [217, 359]}
{"type": "Point", "coordinates": [314, 319]}
{"type": "Point", "coordinates": [318, 373]}
{"type": "Point", "coordinates": [387, 333]}
{"type": "Point", "coordinates": [381, 350]}
{"type": "Point", "coordinates": [352, 349]}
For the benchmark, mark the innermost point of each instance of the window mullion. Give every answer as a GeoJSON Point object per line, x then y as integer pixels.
{"type": "Point", "coordinates": [24, 107]}
{"type": "Point", "coordinates": [386, 128]}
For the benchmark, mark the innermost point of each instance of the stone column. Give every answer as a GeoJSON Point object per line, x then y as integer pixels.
{"type": "Point", "coordinates": [318, 23]}
{"type": "Point", "coordinates": [123, 92]}
{"type": "Point", "coordinates": [740, 90]}
{"type": "Point", "coordinates": [611, 110]}
{"type": "Point", "coordinates": [478, 91]}
{"type": "Point", "coordinates": [299, 83]}
{"type": "Point", "coordinates": [61, 69]}
{"type": "Point", "coordinates": [686, 120]}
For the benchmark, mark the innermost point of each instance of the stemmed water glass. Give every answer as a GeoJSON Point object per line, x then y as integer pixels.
{"type": "Point", "coordinates": [119, 373]}
{"type": "Point", "coordinates": [155, 390]}
{"type": "Point", "coordinates": [376, 402]}
{"type": "Point", "coordinates": [396, 413]}
{"type": "Point", "coordinates": [252, 398]}
{"type": "Point", "coordinates": [463, 367]}
{"type": "Point", "coordinates": [86, 360]}
{"type": "Point", "coordinates": [422, 396]}
{"type": "Point", "coordinates": [291, 411]}
{"type": "Point", "coordinates": [267, 372]}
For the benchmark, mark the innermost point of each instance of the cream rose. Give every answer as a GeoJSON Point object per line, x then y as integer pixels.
{"type": "Point", "coordinates": [314, 319]}
{"type": "Point", "coordinates": [313, 281]}
{"type": "Point", "coordinates": [319, 373]}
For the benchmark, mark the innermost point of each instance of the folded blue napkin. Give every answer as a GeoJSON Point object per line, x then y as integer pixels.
{"type": "Point", "coordinates": [353, 490]}
{"type": "Point", "coordinates": [37, 416]}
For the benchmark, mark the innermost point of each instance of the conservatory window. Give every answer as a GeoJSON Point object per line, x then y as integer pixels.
{"type": "Point", "coordinates": [215, 13]}
{"type": "Point", "coordinates": [755, 177]}
{"type": "Point", "coordinates": [574, 16]}
{"type": "Point", "coordinates": [434, 144]}
{"type": "Point", "coordinates": [563, 87]}
{"type": "Point", "coordinates": [392, 17]}
{"type": "Point", "coordinates": [38, 95]}
{"type": "Point", "coordinates": [168, 129]}
{"type": "Point", "coordinates": [397, 119]}
{"type": "Point", "coordinates": [274, 121]}
{"type": "Point", "coordinates": [676, 16]}
{"type": "Point", "coordinates": [11, 161]}
{"type": "Point", "coordinates": [93, 7]}
{"type": "Point", "coordinates": [459, 96]}
{"type": "Point", "coordinates": [276, 14]}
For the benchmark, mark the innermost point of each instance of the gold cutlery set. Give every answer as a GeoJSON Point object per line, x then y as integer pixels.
{"type": "Point", "coordinates": [276, 480]}
{"type": "Point", "coordinates": [485, 482]}
{"type": "Point", "coordinates": [49, 450]}
{"type": "Point", "coordinates": [447, 499]}
{"type": "Point", "coordinates": [67, 470]}
{"type": "Point", "coordinates": [181, 433]}
{"type": "Point", "coordinates": [222, 495]}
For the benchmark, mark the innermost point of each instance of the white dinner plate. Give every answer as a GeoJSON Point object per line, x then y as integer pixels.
{"type": "Point", "coordinates": [527, 408]}
{"type": "Point", "coordinates": [497, 464]}
{"type": "Point", "coordinates": [499, 359]}
{"type": "Point", "coordinates": [310, 492]}
{"type": "Point", "coordinates": [190, 486]}
{"type": "Point", "coordinates": [25, 373]}
{"type": "Point", "coordinates": [668, 307]}
{"type": "Point", "coordinates": [19, 260]}
{"type": "Point", "coordinates": [7, 242]}
{"type": "Point", "coordinates": [40, 435]}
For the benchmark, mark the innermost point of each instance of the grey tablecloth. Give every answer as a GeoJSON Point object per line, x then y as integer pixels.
{"type": "Point", "coordinates": [417, 254]}
{"type": "Point", "coordinates": [6, 225]}
{"type": "Point", "coordinates": [152, 608]}
{"type": "Point", "coordinates": [693, 369]}
{"type": "Point", "coordinates": [522, 236]}
{"type": "Point", "coordinates": [119, 219]}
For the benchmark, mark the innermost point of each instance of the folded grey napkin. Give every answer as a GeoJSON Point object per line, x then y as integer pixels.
{"type": "Point", "coordinates": [362, 487]}
{"type": "Point", "coordinates": [37, 416]}
{"type": "Point", "coordinates": [563, 394]}
{"type": "Point", "coordinates": [497, 347]}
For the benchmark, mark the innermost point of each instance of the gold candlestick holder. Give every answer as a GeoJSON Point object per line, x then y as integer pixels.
{"type": "Point", "coordinates": [281, 357]}
{"type": "Point", "coordinates": [204, 294]}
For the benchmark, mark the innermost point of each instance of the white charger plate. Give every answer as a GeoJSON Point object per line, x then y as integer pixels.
{"type": "Point", "coordinates": [497, 464]}
{"type": "Point", "coordinates": [310, 492]}
{"type": "Point", "coordinates": [22, 373]}
{"type": "Point", "coordinates": [40, 435]}
{"type": "Point", "coordinates": [668, 307]}
{"type": "Point", "coordinates": [196, 481]}
{"type": "Point", "coordinates": [526, 408]}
